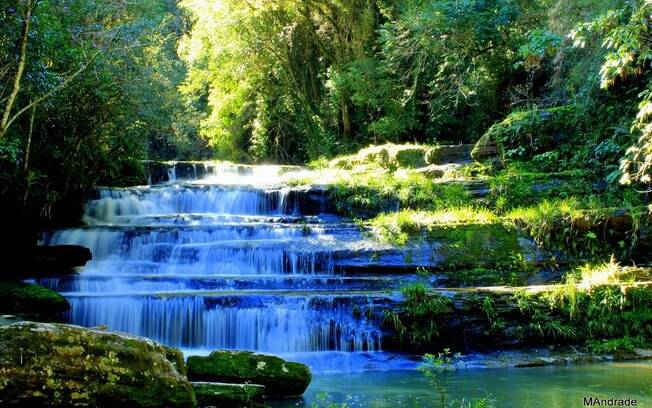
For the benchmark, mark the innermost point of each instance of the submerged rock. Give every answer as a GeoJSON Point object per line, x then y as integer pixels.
{"type": "Point", "coordinates": [281, 378]}
{"type": "Point", "coordinates": [60, 365]}
{"type": "Point", "coordinates": [228, 395]}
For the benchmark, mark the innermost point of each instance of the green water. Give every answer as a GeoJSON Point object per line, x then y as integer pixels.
{"type": "Point", "coordinates": [550, 387]}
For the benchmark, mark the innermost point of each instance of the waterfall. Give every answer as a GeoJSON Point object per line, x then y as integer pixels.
{"type": "Point", "coordinates": [228, 261]}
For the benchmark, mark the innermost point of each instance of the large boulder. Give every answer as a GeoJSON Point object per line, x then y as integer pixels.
{"type": "Point", "coordinates": [229, 395]}
{"type": "Point", "coordinates": [60, 365]}
{"type": "Point", "coordinates": [43, 261]}
{"type": "Point", "coordinates": [65, 256]}
{"type": "Point", "coordinates": [281, 378]}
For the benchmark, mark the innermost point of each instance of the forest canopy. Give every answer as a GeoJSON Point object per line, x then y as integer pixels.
{"type": "Point", "coordinates": [292, 81]}
{"type": "Point", "coordinates": [89, 90]}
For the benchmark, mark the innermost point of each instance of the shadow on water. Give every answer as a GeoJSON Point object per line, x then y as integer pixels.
{"type": "Point", "coordinates": [550, 387]}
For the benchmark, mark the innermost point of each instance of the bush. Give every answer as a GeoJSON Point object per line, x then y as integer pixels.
{"type": "Point", "coordinates": [524, 134]}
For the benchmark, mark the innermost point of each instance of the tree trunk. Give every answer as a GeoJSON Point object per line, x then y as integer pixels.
{"type": "Point", "coordinates": [346, 118]}
{"type": "Point", "coordinates": [24, 36]}
{"type": "Point", "coordinates": [28, 149]}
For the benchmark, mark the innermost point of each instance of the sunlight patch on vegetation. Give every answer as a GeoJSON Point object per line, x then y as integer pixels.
{"type": "Point", "coordinates": [358, 195]}
{"type": "Point", "coordinates": [400, 227]}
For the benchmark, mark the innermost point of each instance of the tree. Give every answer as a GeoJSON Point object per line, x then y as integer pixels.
{"type": "Point", "coordinates": [627, 34]}
{"type": "Point", "coordinates": [88, 89]}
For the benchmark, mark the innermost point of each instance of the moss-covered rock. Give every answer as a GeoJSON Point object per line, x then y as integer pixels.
{"type": "Point", "coordinates": [388, 156]}
{"type": "Point", "coordinates": [228, 395]}
{"type": "Point", "coordinates": [60, 365]}
{"type": "Point", "coordinates": [525, 133]}
{"type": "Point", "coordinates": [27, 299]}
{"type": "Point", "coordinates": [281, 378]}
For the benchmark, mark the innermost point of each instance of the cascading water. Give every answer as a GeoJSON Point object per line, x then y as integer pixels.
{"type": "Point", "coordinates": [224, 262]}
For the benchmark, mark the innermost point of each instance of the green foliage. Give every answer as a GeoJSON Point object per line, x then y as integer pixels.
{"type": "Point", "coordinates": [580, 227]}
{"type": "Point", "coordinates": [450, 60]}
{"type": "Point", "coordinates": [541, 44]}
{"type": "Point", "coordinates": [371, 194]}
{"type": "Point", "coordinates": [527, 133]}
{"type": "Point", "coordinates": [625, 34]}
{"type": "Point", "coordinates": [416, 321]}
{"type": "Point", "coordinates": [104, 75]}
{"type": "Point", "coordinates": [294, 81]}
{"type": "Point", "coordinates": [606, 318]}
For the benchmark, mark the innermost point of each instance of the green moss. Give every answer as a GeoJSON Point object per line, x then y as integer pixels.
{"type": "Point", "coordinates": [411, 157]}
{"type": "Point", "coordinates": [280, 378]}
{"type": "Point", "coordinates": [22, 298]}
{"type": "Point", "coordinates": [516, 187]}
{"type": "Point", "coordinates": [60, 365]}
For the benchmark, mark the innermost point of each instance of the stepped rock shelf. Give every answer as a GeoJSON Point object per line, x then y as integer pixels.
{"type": "Point", "coordinates": [229, 261]}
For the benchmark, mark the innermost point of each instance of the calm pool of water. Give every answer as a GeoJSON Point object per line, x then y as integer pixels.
{"type": "Point", "coordinates": [550, 387]}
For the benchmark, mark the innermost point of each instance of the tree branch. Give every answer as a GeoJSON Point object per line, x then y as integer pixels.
{"type": "Point", "coordinates": [48, 94]}
{"type": "Point", "coordinates": [24, 36]}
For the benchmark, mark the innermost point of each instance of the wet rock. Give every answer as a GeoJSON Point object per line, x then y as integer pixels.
{"type": "Point", "coordinates": [228, 395]}
{"type": "Point", "coordinates": [42, 261]}
{"type": "Point", "coordinates": [189, 170]}
{"type": "Point", "coordinates": [29, 300]}
{"type": "Point", "coordinates": [308, 201]}
{"type": "Point", "coordinates": [60, 365]}
{"type": "Point", "coordinates": [644, 249]}
{"type": "Point", "coordinates": [65, 255]}
{"type": "Point", "coordinates": [281, 378]}
{"type": "Point", "coordinates": [527, 357]}
{"type": "Point", "coordinates": [620, 223]}
{"type": "Point", "coordinates": [156, 172]}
